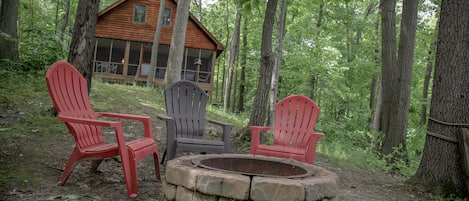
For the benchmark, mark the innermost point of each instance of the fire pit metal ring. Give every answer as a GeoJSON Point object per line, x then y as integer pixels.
{"type": "Point", "coordinates": [254, 166]}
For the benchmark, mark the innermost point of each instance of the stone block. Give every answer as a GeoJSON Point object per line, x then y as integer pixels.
{"type": "Point", "coordinates": [182, 175]}
{"type": "Point", "coordinates": [169, 191]}
{"type": "Point", "coordinates": [323, 185]}
{"type": "Point", "coordinates": [223, 184]}
{"type": "Point", "coordinates": [184, 194]}
{"type": "Point", "coordinates": [276, 189]}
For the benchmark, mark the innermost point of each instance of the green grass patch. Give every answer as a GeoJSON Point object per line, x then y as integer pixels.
{"type": "Point", "coordinates": [17, 87]}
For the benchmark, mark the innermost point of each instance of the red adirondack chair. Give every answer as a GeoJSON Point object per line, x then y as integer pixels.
{"type": "Point", "coordinates": [69, 93]}
{"type": "Point", "coordinates": [293, 132]}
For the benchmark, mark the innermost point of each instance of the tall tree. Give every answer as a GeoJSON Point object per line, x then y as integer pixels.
{"type": "Point", "coordinates": [233, 59]}
{"type": "Point", "coordinates": [83, 39]}
{"type": "Point", "coordinates": [397, 75]}
{"type": "Point", "coordinates": [440, 168]}
{"type": "Point", "coordinates": [8, 26]}
{"type": "Point", "coordinates": [65, 24]}
{"type": "Point", "coordinates": [426, 85]}
{"type": "Point", "coordinates": [278, 59]}
{"type": "Point", "coordinates": [258, 113]}
{"type": "Point", "coordinates": [156, 43]}
{"type": "Point", "coordinates": [243, 63]}
{"type": "Point", "coordinates": [176, 50]}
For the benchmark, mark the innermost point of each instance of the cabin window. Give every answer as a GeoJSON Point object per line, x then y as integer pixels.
{"type": "Point", "coordinates": [197, 65]}
{"type": "Point", "coordinates": [167, 17]}
{"type": "Point", "coordinates": [140, 12]}
{"type": "Point", "coordinates": [109, 56]}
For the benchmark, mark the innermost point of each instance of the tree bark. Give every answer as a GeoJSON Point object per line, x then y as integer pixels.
{"type": "Point", "coordinates": [278, 59]}
{"type": "Point", "coordinates": [156, 43]}
{"type": "Point", "coordinates": [233, 59]}
{"type": "Point", "coordinates": [396, 131]}
{"type": "Point", "coordinates": [65, 24]}
{"type": "Point", "coordinates": [83, 39]}
{"type": "Point", "coordinates": [176, 51]}
{"type": "Point", "coordinates": [8, 27]}
{"type": "Point", "coordinates": [258, 114]}
{"type": "Point", "coordinates": [426, 83]}
{"type": "Point", "coordinates": [243, 61]}
{"type": "Point", "coordinates": [388, 57]}
{"type": "Point", "coordinates": [440, 169]}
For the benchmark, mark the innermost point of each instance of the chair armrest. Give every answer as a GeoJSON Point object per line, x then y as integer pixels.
{"type": "Point", "coordinates": [170, 134]}
{"type": "Point", "coordinates": [259, 128]}
{"type": "Point", "coordinates": [164, 117]}
{"type": "Point", "coordinates": [256, 137]}
{"type": "Point", "coordinates": [124, 116]}
{"type": "Point", "coordinates": [226, 127]}
{"type": "Point", "coordinates": [226, 133]}
{"type": "Point", "coordinates": [318, 135]}
{"type": "Point", "coordinates": [219, 123]}
{"type": "Point", "coordinates": [95, 122]}
{"type": "Point", "coordinates": [146, 121]}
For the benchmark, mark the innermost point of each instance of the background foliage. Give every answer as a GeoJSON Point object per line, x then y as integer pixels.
{"type": "Point", "coordinates": [334, 61]}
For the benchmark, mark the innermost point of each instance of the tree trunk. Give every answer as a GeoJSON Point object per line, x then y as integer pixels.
{"type": "Point", "coordinates": [440, 169]}
{"type": "Point", "coordinates": [375, 83]}
{"type": "Point", "coordinates": [8, 26]}
{"type": "Point", "coordinates": [278, 59]}
{"type": "Point", "coordinates": [176, 51]}
{"type": "Point", "coordinates": [65, 24]}
{"type": "Point", "coordinates": [396, 132]}
{"type": "Point", "coordinates": [83, 39]}
{"type": "Point", "coordinates": [154, 47]}
{"type": "Point", "coordinates": [243, 61]}
{"type": "Point", "coordinates": [388, 57]}
{"type": "Point", "coordinates": [426, 83]}
{"type": "Point", "coordinates": [258, 113]}
{"type": "Point", "coordinates": [233, 60]}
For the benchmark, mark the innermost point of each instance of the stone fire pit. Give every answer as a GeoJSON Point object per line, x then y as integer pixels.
{"type": "Point", "coordinates": [220, 177]}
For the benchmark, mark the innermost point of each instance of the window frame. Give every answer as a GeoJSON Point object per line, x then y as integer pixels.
{"type": "Point", "coordinates": [135, 19]}
{"type": "Point", "coordinates": [167, 19]}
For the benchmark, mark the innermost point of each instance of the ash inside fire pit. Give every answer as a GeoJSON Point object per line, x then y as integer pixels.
{"type": "Point", "coordinates": [254, 166]}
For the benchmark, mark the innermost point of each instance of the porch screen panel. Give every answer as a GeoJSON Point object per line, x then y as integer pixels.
{"type": "Point", "coordinates": [146, 59]}
{"type": "Point", "coordinates": [117, 57]}
{"type": "Point", "coordinates": [206, 66]}
{"type": "Point", "coordinates": [134, 58]}
{"type": "Point", "coordinates": [103, 53]}
{"type": "Point", "coordinates": [190, 67]}
{"type": "Point", "coordinates": [162, 61]}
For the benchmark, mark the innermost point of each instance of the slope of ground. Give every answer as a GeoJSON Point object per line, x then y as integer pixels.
{"type": "Point", "coordinates": [32, 161]}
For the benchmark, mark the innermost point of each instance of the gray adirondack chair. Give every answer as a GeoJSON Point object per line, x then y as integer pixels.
{"type": "Point", "coordinates": [186, 122]}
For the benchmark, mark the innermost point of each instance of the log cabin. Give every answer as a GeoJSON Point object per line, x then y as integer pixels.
{"type": "Point", "coordinates": [124, 38]}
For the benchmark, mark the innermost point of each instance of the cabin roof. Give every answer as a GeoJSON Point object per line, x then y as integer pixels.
{"type": "Point", "coordinates": [219, 46]}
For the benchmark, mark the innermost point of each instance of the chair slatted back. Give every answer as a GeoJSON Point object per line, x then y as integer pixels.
{"type": "Point", "coordinates": [69, 92]}
{"type": "Point", "coordinates": [185, 102]}
{"type": "Point", "coordinates": [295, 118]}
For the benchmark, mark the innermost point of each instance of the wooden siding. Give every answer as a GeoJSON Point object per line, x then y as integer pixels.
{"type": "Point", "coordinates": [117, 23]}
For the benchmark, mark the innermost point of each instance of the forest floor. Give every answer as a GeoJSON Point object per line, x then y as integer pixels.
{"type": "Point", "coordinates": [31, 164]}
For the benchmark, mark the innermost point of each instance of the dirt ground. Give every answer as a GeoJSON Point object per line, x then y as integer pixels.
{"type": "Point", "coordinates": [35, 162]}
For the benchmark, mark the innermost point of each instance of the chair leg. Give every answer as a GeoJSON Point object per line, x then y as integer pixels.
{"type": "Point", "coordinates": [157, 165]}
{"type": "Point", "coordinates": [94, 165]}
{"type": "Point", "coordinates": [71, 163]}
{"type": "Point", "coordinates": [129, 167]}
{"type": "Point", "coordinates": [134, 177]}
{"type": "Point", "coordinates": [172, 151]}
{"type": "Point", "coordinates": [164, 156]}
